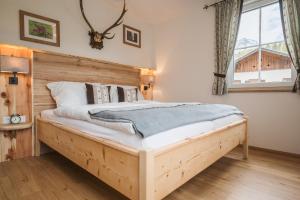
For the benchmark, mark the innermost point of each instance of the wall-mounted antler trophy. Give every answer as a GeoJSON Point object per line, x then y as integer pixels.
{"type": "Point", "coordinates": [96, 38]}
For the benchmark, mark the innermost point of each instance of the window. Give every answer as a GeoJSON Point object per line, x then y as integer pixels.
{"type": "Point", "coordinates": [260, 55]}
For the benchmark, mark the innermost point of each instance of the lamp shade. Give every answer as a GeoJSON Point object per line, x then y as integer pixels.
{"type": "Point", "coordinates": [14, 64]}
{"type": "Point", "coordinates": [147, 79]}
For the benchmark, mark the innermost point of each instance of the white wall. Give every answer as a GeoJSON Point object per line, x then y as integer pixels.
{"type": "Point", "coordinates": [74, 30]}
{"type": "Point", "coordinates": [184, 56]}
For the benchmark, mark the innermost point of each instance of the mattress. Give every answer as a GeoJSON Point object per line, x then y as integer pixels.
{"type": "Point", "coordinates": [135, 141]}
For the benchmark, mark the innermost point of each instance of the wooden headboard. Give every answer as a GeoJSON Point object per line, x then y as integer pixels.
{"type": "Point", "coordinates": [51, 67]}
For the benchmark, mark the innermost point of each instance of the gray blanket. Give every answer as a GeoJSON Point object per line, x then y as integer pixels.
{"type": "Point", "coordinates": [150, 121]}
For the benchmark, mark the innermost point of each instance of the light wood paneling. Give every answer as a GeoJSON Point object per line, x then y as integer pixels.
{"type": "Point", "coordinates": [175, 165]}
{"type": "Point", "coordinates": [51, 67]}
{"type": "Point", "coordinates": [20, 145]}
{"type": "Point", "coordinates": [8, 146]}
{"type": "Point", "coordinates": [24, 143]}
{"type": "Point", "coordinates": [117, 166]}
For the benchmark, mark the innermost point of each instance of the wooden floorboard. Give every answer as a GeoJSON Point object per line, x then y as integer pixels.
{"type": "Point", "coordinates": [266, 176]}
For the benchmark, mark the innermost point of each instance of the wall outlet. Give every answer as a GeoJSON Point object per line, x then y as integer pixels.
{"type": "Point", "coordinates": [6, 119]}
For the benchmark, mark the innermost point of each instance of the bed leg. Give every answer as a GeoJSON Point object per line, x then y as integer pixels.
{"type": "Point", "coordinates": [37, 148]}
{"type": "Point", "coordinates": [245, 143]}
{"type": "Point", "coordinates": [146, 175]}
{"type": "Point", "coordinates": [245, 150]}
{"type": "Point", "coordinates": [37, 142]}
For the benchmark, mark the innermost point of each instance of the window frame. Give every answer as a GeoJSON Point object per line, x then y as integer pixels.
{"type": "Point", "coordinates": [248, 6]}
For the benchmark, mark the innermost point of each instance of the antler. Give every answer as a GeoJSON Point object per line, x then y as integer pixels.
{"type": "Point", "coordinates": [117, 23]}
{"type": "Point", "coordinates": [82, 11]}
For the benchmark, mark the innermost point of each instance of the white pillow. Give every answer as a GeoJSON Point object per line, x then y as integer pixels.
{"type": "Point", "coordinates": [68, 93]}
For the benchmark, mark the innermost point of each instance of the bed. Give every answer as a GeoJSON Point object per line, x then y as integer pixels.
{"type": "Point", "coordinates": [139, 170]}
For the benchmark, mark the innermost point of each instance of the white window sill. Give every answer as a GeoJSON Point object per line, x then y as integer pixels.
{"type": "Point", "coordinates": [261, 87]}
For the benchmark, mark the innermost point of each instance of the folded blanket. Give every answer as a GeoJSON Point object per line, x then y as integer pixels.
{"type": "Point", "coordinates": [153, 120]}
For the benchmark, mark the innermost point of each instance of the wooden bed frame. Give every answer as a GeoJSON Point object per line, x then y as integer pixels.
{"type": "Point", "coordinates": [145, 175]}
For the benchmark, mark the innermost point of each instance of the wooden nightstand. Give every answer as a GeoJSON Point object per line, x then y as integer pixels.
{"type": "Point", "coordinates": [8, 141]}
{"type": "Point", "coordinates": [15, 127]}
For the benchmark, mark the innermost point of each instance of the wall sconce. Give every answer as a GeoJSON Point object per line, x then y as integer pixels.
{"type": "Point", "coordinates": [14, 65]}
{"type": "Point", "coordinates": [147, 81]}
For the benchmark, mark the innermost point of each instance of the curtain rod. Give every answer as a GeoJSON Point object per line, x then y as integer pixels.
{"type": "Point", "coordinates": [207, 6]}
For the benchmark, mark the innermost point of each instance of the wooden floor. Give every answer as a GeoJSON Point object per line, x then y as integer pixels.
{"type": "Point", "coordinates": [264, 176]}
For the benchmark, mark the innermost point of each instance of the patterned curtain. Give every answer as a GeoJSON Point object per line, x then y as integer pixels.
{"type": "Point", "coordinates": [290, 14]}
{"type": "Point", "coordinates": [228, 14]}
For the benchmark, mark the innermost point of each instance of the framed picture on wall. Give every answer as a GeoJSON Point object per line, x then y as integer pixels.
{"type": "Point", "coordinates": [39, 29]}
{"type": "Point", "coordinates": [131, 36]}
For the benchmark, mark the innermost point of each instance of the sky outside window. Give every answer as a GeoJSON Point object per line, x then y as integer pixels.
{"type": "Point", "coordinates": [271, 27]}
{"type": "Point", "coordinates": [249, 29]}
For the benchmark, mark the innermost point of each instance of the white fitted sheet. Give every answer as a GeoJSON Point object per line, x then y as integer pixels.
{"type": "Point", "coordinates": [135, 141]}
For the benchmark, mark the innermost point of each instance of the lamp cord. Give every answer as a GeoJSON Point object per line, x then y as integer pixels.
{"type": "Point", "coordinates": [14, 100]}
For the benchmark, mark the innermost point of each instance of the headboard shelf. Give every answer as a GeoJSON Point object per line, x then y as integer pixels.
{"type": "Point", "coordinates": [52, 67]}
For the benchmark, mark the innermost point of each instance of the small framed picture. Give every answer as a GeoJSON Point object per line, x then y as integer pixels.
{"type": "Point", "coordinates": [131, 36]}
{"type": "Point", "coordinates": [39, 29]}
